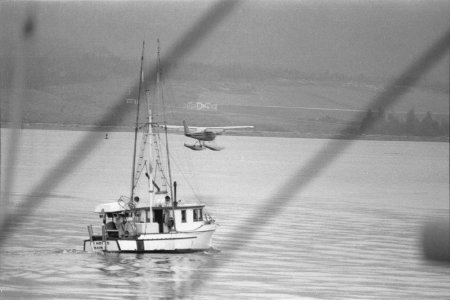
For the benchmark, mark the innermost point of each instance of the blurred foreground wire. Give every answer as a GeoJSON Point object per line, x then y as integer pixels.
{"type": "Point", "coordinates": [274, 204]}
{"type": "Point", "coordinates": [18, 48]}
{"type": "Point", "coordinates": [191, 39]}
{"type": "Point", "coordinates": [285, 193]}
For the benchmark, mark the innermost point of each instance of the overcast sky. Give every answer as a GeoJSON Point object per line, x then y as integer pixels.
{"type": "Point", "coordinates": [376, 38]}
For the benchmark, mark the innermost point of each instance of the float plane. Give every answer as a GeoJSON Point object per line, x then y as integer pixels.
{"type": "Point", "coordinates": [204, 134]}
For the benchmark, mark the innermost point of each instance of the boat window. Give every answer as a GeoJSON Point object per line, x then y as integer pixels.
{"type": "Point", "coordinates": [198, 215]}
{"type": "Point", "coordinates": [142, 215]}
{"type": "Point", "coordinates": [183, 216]}
{"type": "Point", "coordinates": [147, 216]}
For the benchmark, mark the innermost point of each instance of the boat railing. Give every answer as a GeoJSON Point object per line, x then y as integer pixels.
{"type": "Point", "coordinates": [100, 231]}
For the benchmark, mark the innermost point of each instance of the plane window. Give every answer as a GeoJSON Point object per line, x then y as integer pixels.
{"type": "Point", "coordinates": [183, 216]}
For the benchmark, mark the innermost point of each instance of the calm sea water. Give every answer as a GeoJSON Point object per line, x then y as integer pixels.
{"type": "Point", "coordinates": [353, 233]}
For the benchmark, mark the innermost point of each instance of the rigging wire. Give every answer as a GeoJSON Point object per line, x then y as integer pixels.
{"type": "Point", "coordinates": [160, 92]}
{"type": "Point", "coordinates": [196, 196]}
{"type": "Point", "coordinates": [168, 156]}
{"type": "Point", "coordinates": [159, 161]}
{"type": "Point", "coordinates": [169, 91]}
{"type": "Point", "coordinates": [141, 79]}
{"type": "Point", "coordinates": [168, 109]}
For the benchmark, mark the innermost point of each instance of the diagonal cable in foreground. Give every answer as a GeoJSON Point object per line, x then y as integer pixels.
{"type": "Point", "coordinates": [23, 37]}
{"type": "Point", "coordinates": [191, 39]}
{"type": "Point", "coordinates": [329, 153]}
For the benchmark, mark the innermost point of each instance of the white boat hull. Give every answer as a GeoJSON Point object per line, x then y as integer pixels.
{"type": "Point", "coordinates": [158, 242]}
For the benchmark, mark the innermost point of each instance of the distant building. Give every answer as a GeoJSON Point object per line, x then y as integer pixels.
{"type": "Point", "coordinates": [131, 101]}
{"type": "Point", "coordinates": [207, 106]}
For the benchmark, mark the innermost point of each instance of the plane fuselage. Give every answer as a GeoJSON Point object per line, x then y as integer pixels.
{"type": "Point", "coordinates": [206, 136]}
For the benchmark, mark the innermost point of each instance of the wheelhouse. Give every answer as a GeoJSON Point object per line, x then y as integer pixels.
{"type": "Point", "coordinates": [162, 218]}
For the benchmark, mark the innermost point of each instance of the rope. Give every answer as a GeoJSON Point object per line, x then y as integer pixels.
{"type": "Point", "coordinates": [185, 178]}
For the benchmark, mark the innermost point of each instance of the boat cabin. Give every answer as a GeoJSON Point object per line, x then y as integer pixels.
{"type": "Point", "coordinates": [162, 218]}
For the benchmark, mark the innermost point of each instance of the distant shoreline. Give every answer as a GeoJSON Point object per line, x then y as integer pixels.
{"type": "Point", "coordinates": [286, 134]}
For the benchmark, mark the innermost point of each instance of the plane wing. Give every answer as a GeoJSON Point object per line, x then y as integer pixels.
{"type": "Point", "coordinates": [219, 129]}
{"type": "Point", "coordinates": [172, 127]}
{"type": "Point", "coordinates": [207, 129]}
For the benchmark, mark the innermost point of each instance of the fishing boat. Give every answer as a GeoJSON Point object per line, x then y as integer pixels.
{"type": "Point", "coordinates": [151, 218]}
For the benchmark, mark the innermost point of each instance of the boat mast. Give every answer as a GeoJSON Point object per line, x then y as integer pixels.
{"type": "Point", "coordinates": [150, 155]}
{"type": "Point", "coordinates": [136, 128]}
{"type": "Point", "coordinates": [167, 140]}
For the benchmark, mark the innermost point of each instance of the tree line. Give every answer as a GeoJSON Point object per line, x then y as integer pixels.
{"type": "Point", "coordinates": [377, 122]}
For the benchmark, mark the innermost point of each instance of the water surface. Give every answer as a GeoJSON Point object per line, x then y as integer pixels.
{"type": "Point", "coordinates": [353, 233]}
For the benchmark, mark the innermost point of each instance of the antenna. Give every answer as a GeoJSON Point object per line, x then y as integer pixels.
{"type": "Point", "coordinates": [158, 69]}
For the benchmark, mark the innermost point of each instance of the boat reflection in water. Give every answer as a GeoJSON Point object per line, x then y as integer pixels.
{"type": "Point", "coordinates": [177, 273]}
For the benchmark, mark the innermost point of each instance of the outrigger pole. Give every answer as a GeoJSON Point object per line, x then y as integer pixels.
{"type": "Point", "coordinates": [136, 128]}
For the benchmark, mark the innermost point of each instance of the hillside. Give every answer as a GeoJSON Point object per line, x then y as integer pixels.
{"type": "Point", "coordinates": [276, 102]}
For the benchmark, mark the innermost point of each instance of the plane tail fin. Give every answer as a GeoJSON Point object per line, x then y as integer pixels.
{"type": "Point", "coordinates": [186, 128]}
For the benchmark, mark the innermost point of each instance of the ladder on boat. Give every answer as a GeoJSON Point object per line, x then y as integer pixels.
{"type": "Point", "coordinates": [158, 161]}
{"type": "Point", "coordinates": [141, 162]}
